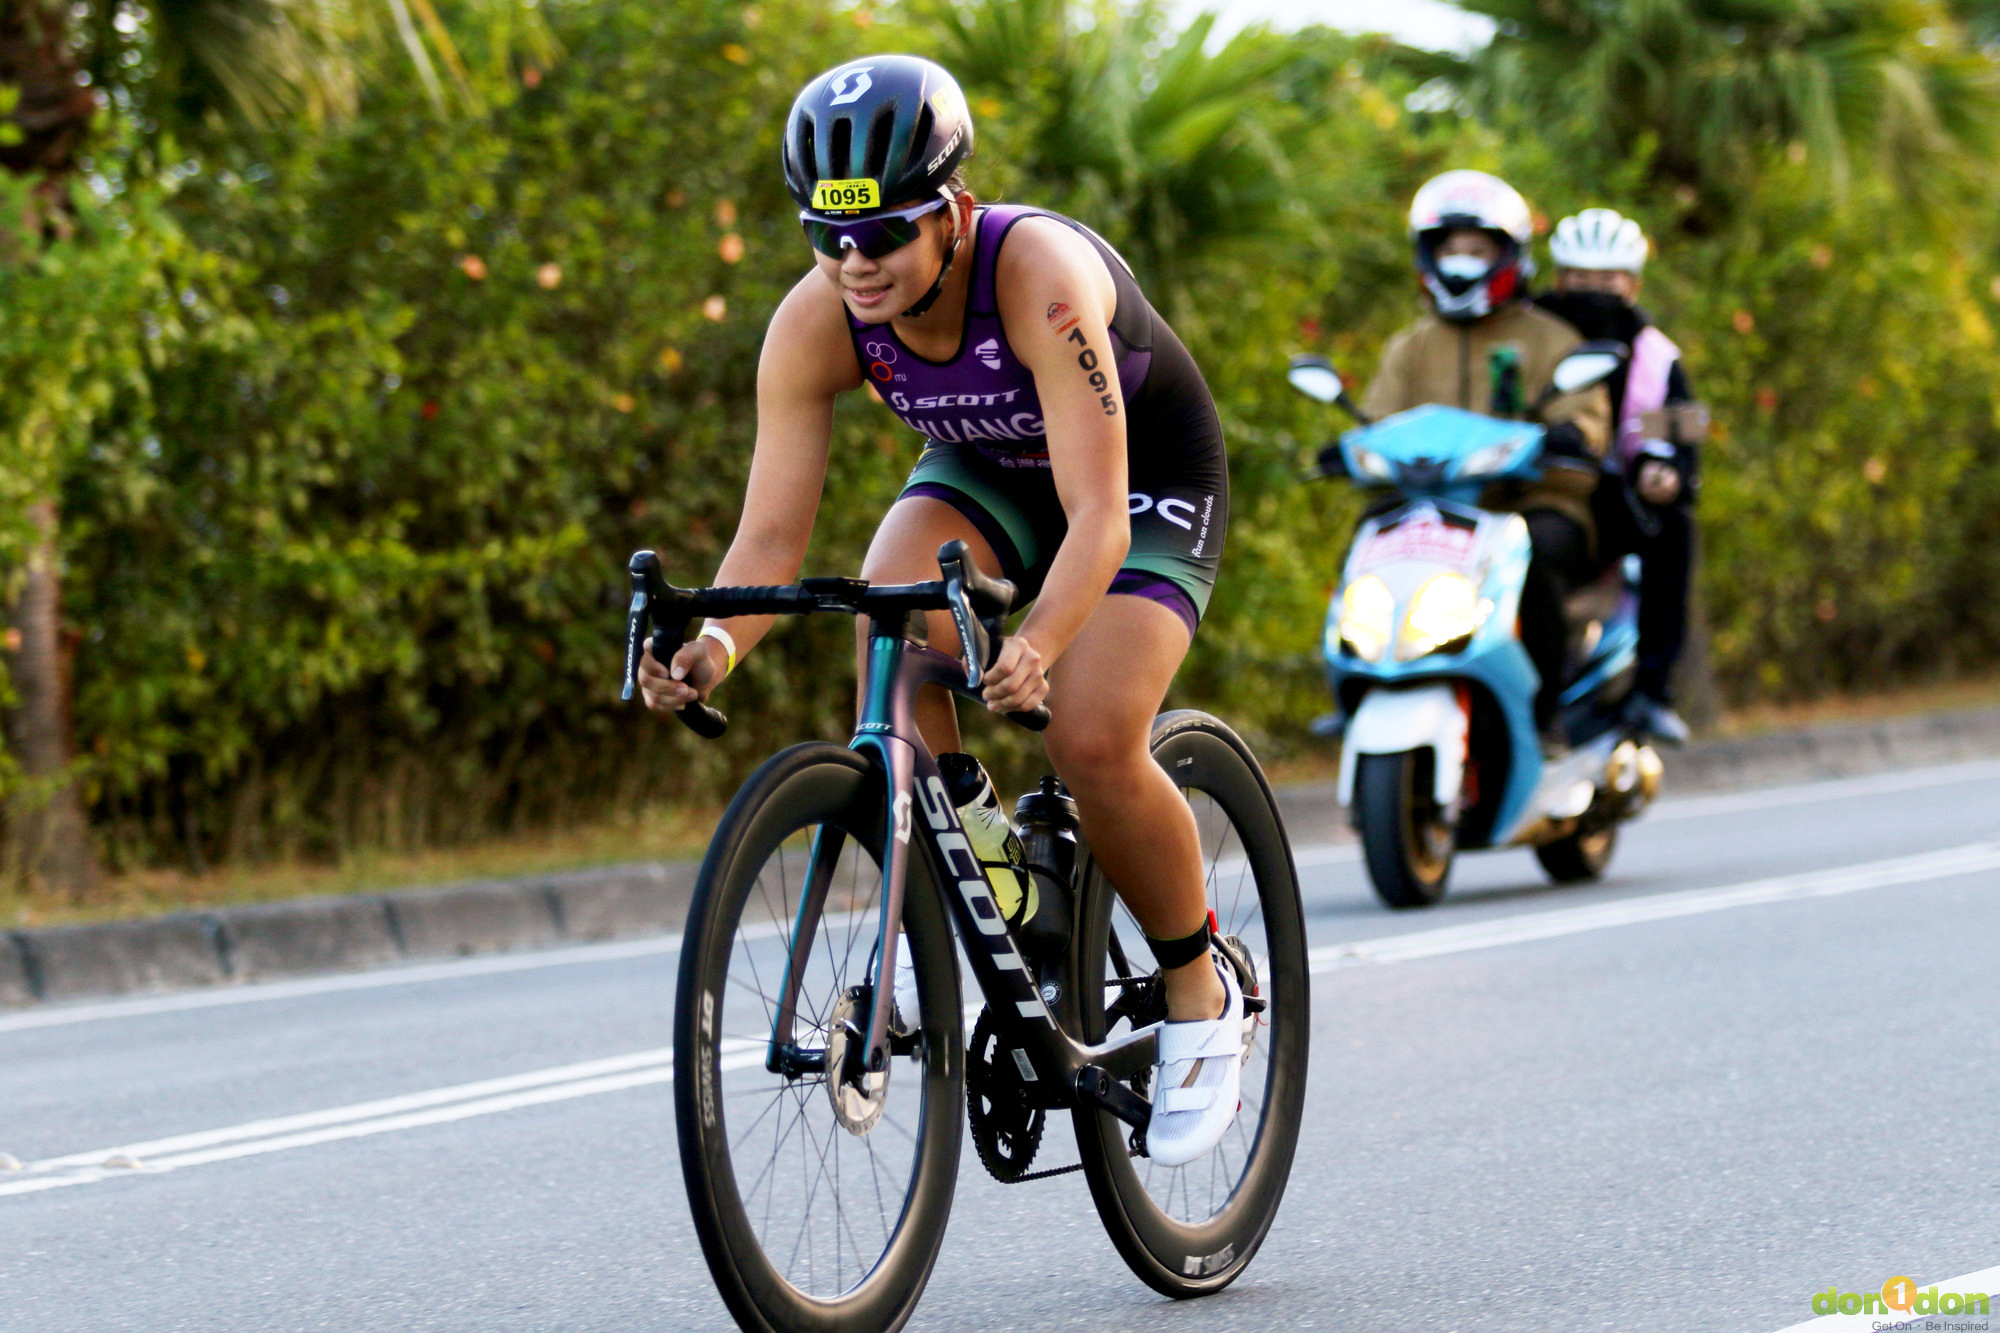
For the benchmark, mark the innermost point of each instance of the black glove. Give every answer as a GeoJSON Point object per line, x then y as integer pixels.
{"type": "Point", "coordinates": [1565, 440]}
{"type": "Point", "coordinates": [1332, 462]}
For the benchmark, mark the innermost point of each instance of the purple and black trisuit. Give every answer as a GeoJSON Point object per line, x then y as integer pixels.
{"type": "Point", "coordinates": [986, 450]}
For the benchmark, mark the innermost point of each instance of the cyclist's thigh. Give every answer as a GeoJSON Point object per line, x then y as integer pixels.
{"type": "Point", "coordinates": [904, 550]}
{"type": "Point", "coordinates": [953, 494]}
{"type": "Point", "coordinates": [1108, 687]}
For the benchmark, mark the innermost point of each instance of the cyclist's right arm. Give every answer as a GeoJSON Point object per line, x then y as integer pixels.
{"type": "Point", "coordinates": [807, 361]}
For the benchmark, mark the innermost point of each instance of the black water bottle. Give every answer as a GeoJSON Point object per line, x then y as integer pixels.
{"type": "Point", "coordinates": [1047, 820]}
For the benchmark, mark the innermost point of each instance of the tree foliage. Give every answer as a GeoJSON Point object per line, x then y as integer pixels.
{"type": "Point", "coordinates": [354, 421]}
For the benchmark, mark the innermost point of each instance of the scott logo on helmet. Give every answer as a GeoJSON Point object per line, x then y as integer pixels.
{"type": "Point", "coordinates": [842, 94]}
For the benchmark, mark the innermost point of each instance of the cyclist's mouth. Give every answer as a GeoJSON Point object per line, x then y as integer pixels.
{"type": "Point", "coordinates": [867, 298]}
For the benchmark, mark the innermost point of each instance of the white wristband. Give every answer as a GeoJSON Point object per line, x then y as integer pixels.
{"type": "Point", "coordinates": [721, 636]}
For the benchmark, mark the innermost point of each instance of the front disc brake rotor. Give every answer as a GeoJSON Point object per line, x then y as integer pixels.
{"type": "Point", "coordinates": [857, 1096]}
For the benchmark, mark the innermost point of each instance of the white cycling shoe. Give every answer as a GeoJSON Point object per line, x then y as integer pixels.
{"type": "Point", "coordinates": [1197, 1080]}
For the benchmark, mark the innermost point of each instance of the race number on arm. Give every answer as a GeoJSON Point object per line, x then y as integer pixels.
{"type": "Point", "coordinates": [1056, 302]}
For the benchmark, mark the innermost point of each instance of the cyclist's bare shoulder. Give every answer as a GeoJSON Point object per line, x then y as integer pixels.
{"type": "Point", "coordinates": [1043, 254]}
{"type": "Point", "coordinates": [807, 351]}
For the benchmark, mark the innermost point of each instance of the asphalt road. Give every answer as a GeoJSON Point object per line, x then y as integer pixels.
{"type": "Point", "coordinates": [1759, 1061]}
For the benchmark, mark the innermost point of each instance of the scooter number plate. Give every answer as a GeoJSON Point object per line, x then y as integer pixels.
{"type": "Point", "coordinates": [1435, 543]}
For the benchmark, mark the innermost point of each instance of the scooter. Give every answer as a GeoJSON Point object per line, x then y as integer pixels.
{"type": "Point", "coordinates": [1440, 749]}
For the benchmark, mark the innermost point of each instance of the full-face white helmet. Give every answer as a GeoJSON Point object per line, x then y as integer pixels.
{"type": "Point", "coordinates": [1458, 200]}
{"type": "Point", "coordinates": [1599, 239]}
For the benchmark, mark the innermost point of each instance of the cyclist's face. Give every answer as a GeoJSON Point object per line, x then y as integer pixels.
{"type": "Point", "coordinates": [1618, 283]}
{"type": "Point", "coordinates": [877, 290]}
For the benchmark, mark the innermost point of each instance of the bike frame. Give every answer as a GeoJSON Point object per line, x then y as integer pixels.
{"type": "Point", "coordinates": [895, 668]}
{"type": "Point", "coordinates": [887, 734]}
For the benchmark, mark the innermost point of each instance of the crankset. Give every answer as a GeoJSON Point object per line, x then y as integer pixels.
{"type": "Point", "coordinates": [1006, 1124]}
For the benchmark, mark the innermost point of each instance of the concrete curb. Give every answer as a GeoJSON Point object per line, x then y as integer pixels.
{"type": "Point", "coordinates": [312, 935]}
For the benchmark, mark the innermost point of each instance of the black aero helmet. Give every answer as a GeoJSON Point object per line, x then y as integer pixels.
{"type": "Point", "coordinates": [873, 133]}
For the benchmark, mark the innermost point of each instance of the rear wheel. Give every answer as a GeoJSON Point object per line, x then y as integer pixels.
{"type": "Point", "coordinates": [820, 1191]}
{"type": "Point", "coordinates": [1406, 836]}
{"type": "Point", "coordinates": [1191, 1230]}
{"type": "Point", "coordinates": [1580, 857]}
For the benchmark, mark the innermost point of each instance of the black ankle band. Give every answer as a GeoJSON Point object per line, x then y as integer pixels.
{"type": "Point", "coordinates": [1170, 954]}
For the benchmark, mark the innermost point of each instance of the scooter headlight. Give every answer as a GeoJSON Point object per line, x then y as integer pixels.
{"type": "Point", "coordinates": [1367, 618]}
{"type": "Point", "coordinates": [1373, 464]}
{"type": "Point", "coordinates": [1490, 459]}
{"type": "Point", "coordinates": [1444, 614]}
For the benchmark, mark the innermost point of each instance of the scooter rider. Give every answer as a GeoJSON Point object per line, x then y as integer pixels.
{"type": "Point", "coordinates": [1483, 348]}
{"type": "Point", "coordinates": [1644, 503]}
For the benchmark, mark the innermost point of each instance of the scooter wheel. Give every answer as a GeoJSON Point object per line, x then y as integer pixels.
{"type": "Point", "coordinates": [1580, 857]}
{"type": "Point", "coordinates": [1407, 839]}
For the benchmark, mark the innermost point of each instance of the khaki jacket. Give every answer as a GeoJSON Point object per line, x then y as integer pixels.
{"type": "Point", "coordinates": [1436, 361]}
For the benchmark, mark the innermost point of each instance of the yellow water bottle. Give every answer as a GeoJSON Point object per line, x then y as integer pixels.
{"type": "Point", "coordinates": [994, 840]}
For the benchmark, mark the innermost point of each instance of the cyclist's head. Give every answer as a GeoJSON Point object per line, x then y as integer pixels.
{"type": "Point", "coordinates": [873, 153]}
{"type": "Point", "coordinates": [1471, 233]}
{"type": "Point", "coordinates": [1599, 251]}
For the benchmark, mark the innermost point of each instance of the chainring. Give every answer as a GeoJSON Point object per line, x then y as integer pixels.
{"type": "Point", "coordinates": [1006, 1124]}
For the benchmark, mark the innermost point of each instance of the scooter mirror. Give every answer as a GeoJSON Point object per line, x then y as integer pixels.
{"type": "Point", "coordinates": [1315, 377]}
{"type": "Point", "coordinates": [1587, 366]}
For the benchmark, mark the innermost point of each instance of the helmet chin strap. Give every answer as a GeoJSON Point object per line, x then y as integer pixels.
{"type": "Point", "coordinates": [929, 298]}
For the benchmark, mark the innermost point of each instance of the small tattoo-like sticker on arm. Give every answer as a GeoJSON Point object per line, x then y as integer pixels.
{"type": "Point", "coordinates": [1061, 318]}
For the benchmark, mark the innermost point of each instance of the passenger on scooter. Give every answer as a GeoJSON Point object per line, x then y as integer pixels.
{"type": "Point", "coordinates": [1484, 348]}
{"type": "Point", "coordinates": [1644, 504]}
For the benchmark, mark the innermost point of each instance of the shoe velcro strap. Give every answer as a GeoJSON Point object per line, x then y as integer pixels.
{"type": "Point", "coordinates": [1172, 1100]}
{"type": "Point", "coordinates": [1200, 1041]}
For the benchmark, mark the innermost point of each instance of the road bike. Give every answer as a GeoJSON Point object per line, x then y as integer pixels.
{"type": "Point", "coordinates": [819, 1127]}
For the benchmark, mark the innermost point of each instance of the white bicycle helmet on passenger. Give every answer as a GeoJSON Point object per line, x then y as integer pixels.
{"type": "Point", "coordinates": [1599, 239]}
{"type": "Point", "coordinates": [1461, 199]}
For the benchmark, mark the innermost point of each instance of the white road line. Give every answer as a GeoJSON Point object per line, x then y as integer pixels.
{"type": "Point", "coordinates": [1985, 1280]}
{"type": "Point", "coordinates": [1307, 857]}
{"type": "Point", "coordinates": [1969, 859]}
{"type": "Point", "coordinates": [1812, 793]}
{"type": "Point", "coordinates": [639, 1068]}
{"type": "Point", "coordinates": [258, 1129]}
{"type": "Point", "coordinates": [386, 1115]}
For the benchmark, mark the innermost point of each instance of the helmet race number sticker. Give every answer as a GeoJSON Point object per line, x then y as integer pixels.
{"type": "Point", "coordinates": [836, 196]}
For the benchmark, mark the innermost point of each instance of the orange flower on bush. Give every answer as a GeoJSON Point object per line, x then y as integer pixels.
{"type": "Point", "coordinates": [473, 267]}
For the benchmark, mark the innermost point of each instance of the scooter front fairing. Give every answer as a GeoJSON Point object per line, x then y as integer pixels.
{"type": "Point", "coordinates": [1430, 597]}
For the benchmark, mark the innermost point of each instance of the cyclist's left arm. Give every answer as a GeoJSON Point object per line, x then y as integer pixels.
{"type": "Point", "coordinates": [1056, 302]}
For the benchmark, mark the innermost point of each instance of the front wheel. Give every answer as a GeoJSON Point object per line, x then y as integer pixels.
{"type": "Point", "coordinates": [1191, 1230]}
{"type": "Point", "coordinates": [1407, 837]}
{"type": "Point", "coordinates": [819, 1190]}
{"type": "Point", "coordinates": [1579, 857]}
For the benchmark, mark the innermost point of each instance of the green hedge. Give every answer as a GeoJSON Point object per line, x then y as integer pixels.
{"type": "Point", "coordinates": [354, 429]}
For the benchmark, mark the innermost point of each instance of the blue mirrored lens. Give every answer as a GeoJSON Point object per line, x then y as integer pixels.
{"type": "Point", "coordinates": [874, 237]}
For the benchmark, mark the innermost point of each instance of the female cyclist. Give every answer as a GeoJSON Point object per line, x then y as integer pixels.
{"type": "Point", "coordinates": [1069, 442]}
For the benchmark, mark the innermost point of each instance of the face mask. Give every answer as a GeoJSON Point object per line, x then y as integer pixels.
{"type": "Point", "coordinates": [1466, 269]}
{"type": "Point", "coordinates": [1595, 314]}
